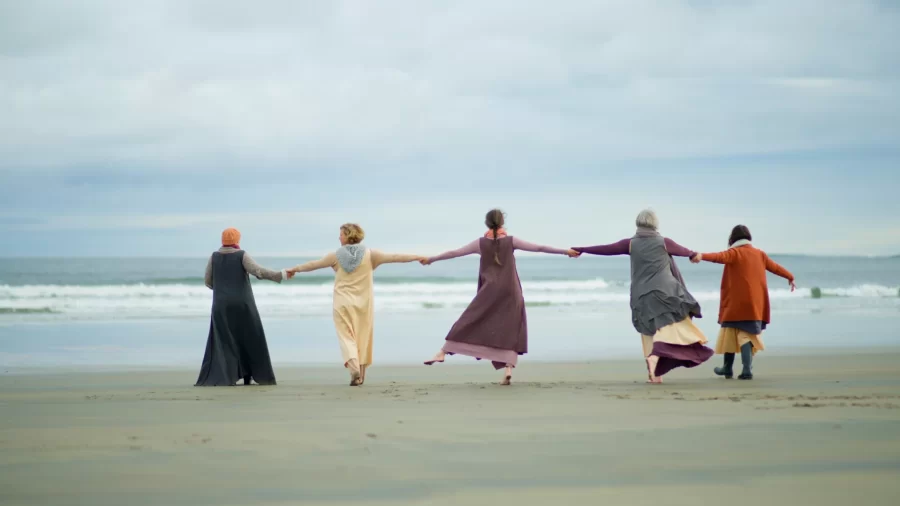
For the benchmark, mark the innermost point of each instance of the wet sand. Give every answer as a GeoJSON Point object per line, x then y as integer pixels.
{"type": "Point", "coordinates": [813, 429]}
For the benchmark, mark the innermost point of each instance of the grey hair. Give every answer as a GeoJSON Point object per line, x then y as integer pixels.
{"type": "Point", "coordinates": [647, 219]}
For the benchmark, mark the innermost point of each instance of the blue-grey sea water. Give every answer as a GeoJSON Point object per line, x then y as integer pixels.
{"type": "Point", "coordinates": [81, 312]}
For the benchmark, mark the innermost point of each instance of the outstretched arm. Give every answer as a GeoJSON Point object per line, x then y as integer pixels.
{"type": "Point", "coordinates": [468, 249]}
{"type": "Point", "coordinates": [379, 258]}
{"type": "Point", "coordinates": [328, 260]}
{"type": "Point", "coordinates": [724, 257]}
{"type": "Point", "coordinates": [207, 278]}
{"type": "Point", "coordinates": [773, 267]}
{"type": "Point", "coordinates": [536, 248]}
{"type": "Point", "coordinates": [678, 250]}
{"type": "Point", "coordinates": [616, 248]}
{"type": "Point", "coordinates": [261, 272]}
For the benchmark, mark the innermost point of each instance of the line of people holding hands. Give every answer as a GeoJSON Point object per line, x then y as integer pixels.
{"type": "Point", "coordinates": [494, 325]}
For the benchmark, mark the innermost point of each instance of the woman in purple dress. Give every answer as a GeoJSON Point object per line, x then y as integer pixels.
{"type": "Point", "coordinates": [661, 307]}
{"type": "Point", "coordinates": [493, 327]}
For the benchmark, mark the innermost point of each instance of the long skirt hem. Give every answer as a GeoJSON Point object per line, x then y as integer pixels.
{"type": "Point", "coordinates": [672, 356]}
{"type": "Point", "coordinates": [499, 358]}
{"type": "Point", "coordinates": [677, 345]}
{"type": "Point", "coordinates": [730, 340]}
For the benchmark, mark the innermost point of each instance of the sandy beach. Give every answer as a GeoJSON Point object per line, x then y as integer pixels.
{"type": "Point", "coordinates": [809, 429]}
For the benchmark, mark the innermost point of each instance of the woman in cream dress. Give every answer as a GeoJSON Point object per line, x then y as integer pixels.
{"type": "Point", "coordinates": [353, 312]}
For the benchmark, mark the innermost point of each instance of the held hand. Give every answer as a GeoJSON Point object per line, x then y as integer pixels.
{"type": "Point", "coordinates": [573, 254]}
{"type": "Point", "coordinates": [697, 258]}
{"type": "Point", "coordinates": [424, 261]}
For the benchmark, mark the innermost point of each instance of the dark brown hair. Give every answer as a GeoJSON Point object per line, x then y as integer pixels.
{"type": "Point", "coordinates": [739, 232]}
{"type": "Point", "coordinates": [494, 220]}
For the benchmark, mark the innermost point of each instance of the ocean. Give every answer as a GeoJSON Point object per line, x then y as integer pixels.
{"type": "Point", "coordinates": [98, 312]}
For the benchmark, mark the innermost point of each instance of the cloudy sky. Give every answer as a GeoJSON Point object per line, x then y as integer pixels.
{"type": "Point", "coordinates": [144, 128]}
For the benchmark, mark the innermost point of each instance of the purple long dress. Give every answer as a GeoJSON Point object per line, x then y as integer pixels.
{"type": "Point", "coordinates": [494, 326]}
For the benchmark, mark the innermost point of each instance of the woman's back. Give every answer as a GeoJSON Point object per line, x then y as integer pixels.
{"type": "Point", "coordinates": [651, 267]}
{"type": "Point", "coordinates": [354, 288]}
{"type": "Point", "coordinates": [745, 291]}
{"type": "Point", "coordinates": [498, 265]}
{"type": "Point", "coordinates": [658, 296]}
{"type": "Point", "coordinates": [230, 280]}
{"type": "Point", "coordinates": [750, 267]}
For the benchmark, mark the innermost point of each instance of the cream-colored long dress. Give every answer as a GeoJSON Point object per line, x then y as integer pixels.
{"type": "Point", "coordinates": [353, 310]}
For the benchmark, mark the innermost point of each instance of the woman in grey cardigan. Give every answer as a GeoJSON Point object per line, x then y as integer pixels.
{"type": "Point", "coordinates": [661, 306]}
{"type": "Point", "coordinates": [236, 347]}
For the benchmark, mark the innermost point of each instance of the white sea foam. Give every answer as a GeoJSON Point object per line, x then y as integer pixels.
{"type": "Point", "coordinates": [190, 300]}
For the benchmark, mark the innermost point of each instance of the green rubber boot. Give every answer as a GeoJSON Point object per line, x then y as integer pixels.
{"type": "Point", "coordinates": [727, 369]}
{"type": "Point", "coordinates": [747, 360]}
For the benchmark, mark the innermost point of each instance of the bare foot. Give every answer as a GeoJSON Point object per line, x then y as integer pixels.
{"type": "Point", "coordinates": [362, 374]}
{"type": "Point", "coordinates": [439, 358]}
{"type": "Point", "coordinates": [652, 360]}
{"type": "Point", "coordinates": [507, 376]}
{"type": "Point", "coordinates": [355, 373]}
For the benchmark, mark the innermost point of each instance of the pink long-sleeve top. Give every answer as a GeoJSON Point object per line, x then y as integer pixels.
{"type": "Point", "coordinates": [518, 244]}
{"type": "Point", "coordinates": [623, 247]}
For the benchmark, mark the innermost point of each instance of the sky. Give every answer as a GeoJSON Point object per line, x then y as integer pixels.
{"type": "Point", "coordinates": [145, 128]}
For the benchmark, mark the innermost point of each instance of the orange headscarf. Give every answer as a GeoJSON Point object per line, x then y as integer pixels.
{"type": "Point", "coordinates": [231, 237]}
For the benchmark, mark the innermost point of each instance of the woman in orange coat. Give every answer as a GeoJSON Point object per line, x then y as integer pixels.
{"type": "Point", "coordinates": [744, 304]}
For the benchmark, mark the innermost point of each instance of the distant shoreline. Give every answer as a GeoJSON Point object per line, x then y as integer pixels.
{"type": "Point", "coordinates": [318, 255]}
{"type": "Point", "coordinates": [292, 367]}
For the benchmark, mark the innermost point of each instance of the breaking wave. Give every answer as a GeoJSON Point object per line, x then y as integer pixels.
{"type": "Point", "coordinates": [191, 299]}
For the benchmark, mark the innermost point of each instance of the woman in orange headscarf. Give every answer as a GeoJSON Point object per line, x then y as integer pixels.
{"type": "Point", "coordinates": [236, 347]}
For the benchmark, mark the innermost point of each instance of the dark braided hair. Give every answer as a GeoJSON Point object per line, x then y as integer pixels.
{"type": "Point", "coordinates": [494, 220]}
{"type": "Point", "coordinates": [739, 232]}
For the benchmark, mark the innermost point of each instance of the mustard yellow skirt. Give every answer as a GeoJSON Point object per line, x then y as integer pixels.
{"type": "Point", "coordinates": [683, 333]}
{"type": "Point", "coordinates": [731, 340]}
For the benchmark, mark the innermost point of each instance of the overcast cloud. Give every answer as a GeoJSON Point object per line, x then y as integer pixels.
{"type": "Point", "coordinates": [124, 124]}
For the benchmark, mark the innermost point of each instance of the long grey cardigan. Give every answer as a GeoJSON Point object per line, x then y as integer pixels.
{"type": "Point", "coordinates": [658, 294]}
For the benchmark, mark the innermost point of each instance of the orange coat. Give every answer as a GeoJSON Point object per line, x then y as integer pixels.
{"type": "Point", "coordinates": [745, 293]}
